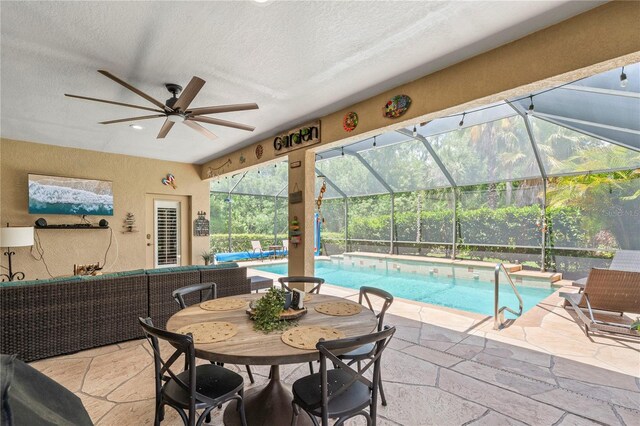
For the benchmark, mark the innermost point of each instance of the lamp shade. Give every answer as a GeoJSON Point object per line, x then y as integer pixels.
{"type": "Point", "coordinates": [19, 236]}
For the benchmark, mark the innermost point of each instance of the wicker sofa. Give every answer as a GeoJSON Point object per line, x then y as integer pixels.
{"type": "Point", "coordinates": [46, 318]}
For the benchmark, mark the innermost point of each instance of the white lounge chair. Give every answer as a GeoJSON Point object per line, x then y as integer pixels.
{"type": "Point", "coordinates": [257, 247]}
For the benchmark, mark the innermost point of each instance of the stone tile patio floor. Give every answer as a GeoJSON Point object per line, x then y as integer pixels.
{"type": "Point", "coordinates": [444, 367]}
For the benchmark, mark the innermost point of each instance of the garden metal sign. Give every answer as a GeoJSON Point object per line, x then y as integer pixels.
{"type": "Point", "coordinates": [297, 138]}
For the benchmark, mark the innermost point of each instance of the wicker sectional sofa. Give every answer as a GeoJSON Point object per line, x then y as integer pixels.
{"type": "Point", "coordinates": [45, 318]}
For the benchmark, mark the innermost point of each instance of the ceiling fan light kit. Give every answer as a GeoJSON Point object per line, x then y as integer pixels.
{"type": "Point", "coordinates": [176, 108]}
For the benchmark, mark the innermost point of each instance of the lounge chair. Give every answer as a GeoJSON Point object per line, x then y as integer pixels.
{"type": "Point", "coordinates": [607, 295]}
{"type": "Point", "coordinates": [623, 260]}
{"type": "Point", "coordinates": [256, 247]}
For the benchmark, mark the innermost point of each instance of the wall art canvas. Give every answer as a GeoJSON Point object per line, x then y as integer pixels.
{"type": "Point", "coordinates": [64, 195]}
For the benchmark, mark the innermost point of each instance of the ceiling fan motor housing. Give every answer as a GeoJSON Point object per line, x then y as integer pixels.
{"type": "Point", "coordinates": [174, 89]}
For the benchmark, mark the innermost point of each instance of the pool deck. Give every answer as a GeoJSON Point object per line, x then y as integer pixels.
{"type": "Point", "coordinates": [444, 367]}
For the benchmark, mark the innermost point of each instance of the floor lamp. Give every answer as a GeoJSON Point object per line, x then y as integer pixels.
{"type": "Point", "coordinates": [19, 236]}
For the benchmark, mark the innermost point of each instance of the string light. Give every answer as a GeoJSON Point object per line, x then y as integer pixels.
{"type": "Point", "coordinates": [374, 141]}
{"type": "Point", "coordinates": [461, 123]}
{"type": "Point", "coordinates": [531, 104]}
{"type": "Point", "coordinates": [415, 131]}
{"type": "Point", "coordinates": [623, 79]}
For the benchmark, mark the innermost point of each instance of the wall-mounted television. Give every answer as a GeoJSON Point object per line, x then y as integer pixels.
{"type": "Point", "coordinates": [64, 195]}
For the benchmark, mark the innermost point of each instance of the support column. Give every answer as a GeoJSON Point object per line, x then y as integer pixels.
{"type": "Point", "coordinates": [544, 227]}
{"type": "Point", "coordinates": [229, 221]}
{"type": "Point", "coordinates": [275, 220]}
{"type": "Point", "coordinates": [392, 222]}
{"type": "Point", "coordinates": [455, 224]}
{"type": "Point", "coordinates": [301, 260]}
{"type": "Point", "coordinates": [346, 225]}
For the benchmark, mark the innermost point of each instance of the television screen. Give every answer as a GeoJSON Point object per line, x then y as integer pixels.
{"type": "Point", "coordinates": [63, 195]}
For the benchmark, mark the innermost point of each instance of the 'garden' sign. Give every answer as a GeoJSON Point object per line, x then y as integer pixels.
{"type": "Point", "coordinates": [297, 138]}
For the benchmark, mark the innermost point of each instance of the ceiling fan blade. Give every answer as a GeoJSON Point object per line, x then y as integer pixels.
{"type": "Point", "coordinates": [136, 91]}
{"type": "Point", "coordinates": [189, 93]}
{"type": "Point", "coordinates": [219, 122]}
{"type": "Point", "coordinates": [165, 129]}
{"type": "Point", "coordinates": [221, 108]}
{"type": "Point", "coordinates": [198, 128]}
{"type": "Point", "coordinates": [113, 102]}
{"type": "Point", "coordinates": [122, 120]}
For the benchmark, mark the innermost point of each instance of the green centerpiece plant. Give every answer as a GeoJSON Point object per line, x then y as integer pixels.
{"type": "Point", "coordinates": [266, 311]}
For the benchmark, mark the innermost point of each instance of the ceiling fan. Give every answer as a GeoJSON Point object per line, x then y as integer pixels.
{"type": "Point", "coordinates": [176, 109]}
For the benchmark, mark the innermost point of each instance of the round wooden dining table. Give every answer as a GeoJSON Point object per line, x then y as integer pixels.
{"type": "Point", "coordinates": [269, 404]}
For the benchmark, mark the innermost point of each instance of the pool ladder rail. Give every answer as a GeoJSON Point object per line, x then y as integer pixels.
{"type": "Point", "coordinates": [498, 313]}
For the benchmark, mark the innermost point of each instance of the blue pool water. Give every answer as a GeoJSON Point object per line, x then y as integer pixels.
{"type": "Point", "coordinates": [458, 293]}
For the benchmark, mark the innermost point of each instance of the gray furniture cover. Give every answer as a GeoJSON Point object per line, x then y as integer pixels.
{"type": "Point", "coordinates": [31, 398]}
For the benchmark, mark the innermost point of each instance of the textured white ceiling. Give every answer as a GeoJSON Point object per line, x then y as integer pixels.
{"type": "Point", "coordinates": [297, 60]}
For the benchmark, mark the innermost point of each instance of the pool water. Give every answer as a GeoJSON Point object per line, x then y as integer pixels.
{"type": "Point", "coordinates": [459, 293]}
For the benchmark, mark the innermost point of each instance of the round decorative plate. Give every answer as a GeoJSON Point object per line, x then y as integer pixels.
{"type": "Point", "coordinates": [210, 332]}
{"type": "Point", "coordinates": [224, 304]}
{"type": "Point", "coordinates": [259, 151]}
{"type": "Point", "coordinates": [307, 337]}
{"type": "Point", "coordinates": [397, 106]}
{"type": "Point", "coordinates": [339, 309]}
{"type": "Point", "coordinates": [350, 121]}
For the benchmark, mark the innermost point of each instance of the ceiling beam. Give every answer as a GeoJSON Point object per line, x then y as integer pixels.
{"type": "Point", "coordinates": [527, 123]}
{"type": "Point", "coordinates": [587, 123]}
{"type": "Point", "coordinates": [331, 184]}
{"type": "Point", "coordinates": [600, 91]}
{"type": "Point", "coordinates": [587, 133]}
{"type": "Point", "coordinates": [433, 154]}
{"type": "Point", "coordinates": [373, 172]}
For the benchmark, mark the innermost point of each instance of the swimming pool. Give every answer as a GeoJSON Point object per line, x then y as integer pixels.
{"type": "Point", "coordinates": [459, 293]}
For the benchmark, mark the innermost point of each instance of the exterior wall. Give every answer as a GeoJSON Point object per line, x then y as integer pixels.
{"type": "Point", "coordinates": [132, 178]}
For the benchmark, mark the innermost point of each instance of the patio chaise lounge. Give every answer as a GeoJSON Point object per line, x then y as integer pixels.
{"type": "Point", "coordinates": [623, 260]}
{"type": "Point", "coordinates": [607, 295]}
{"type": "Point", "coordinates": [256, 247]}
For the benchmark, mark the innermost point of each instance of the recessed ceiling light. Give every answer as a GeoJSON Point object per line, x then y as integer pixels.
{"type": "Point", "coordinates": [136, 126]}
{"type": "Point", "coordinates": [261, 1]}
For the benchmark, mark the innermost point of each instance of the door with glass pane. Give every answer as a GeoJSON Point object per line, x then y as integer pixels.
{"type": "Point", "coordinates": [167, 233]}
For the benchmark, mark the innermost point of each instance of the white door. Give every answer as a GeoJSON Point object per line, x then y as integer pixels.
{"type": "Point", "coordinates": [167, 233]}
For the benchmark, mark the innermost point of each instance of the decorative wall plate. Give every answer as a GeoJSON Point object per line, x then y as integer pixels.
{"type": "Point", "coordinates": [350, 121]}
{"type": "Point", "coordinates": [259, 151]}
{"type": "Point", "coordinates": [397, 106]}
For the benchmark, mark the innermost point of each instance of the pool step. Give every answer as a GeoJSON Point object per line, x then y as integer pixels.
{"type": "Point", "coordinates": [546, 277]}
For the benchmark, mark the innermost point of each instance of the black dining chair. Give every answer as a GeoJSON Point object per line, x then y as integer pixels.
{"type": "Point", "coordinates": [201, 387]}
{"type": "Point", "coordinates": [342, 392]}
{"type": "Point", "coordinates": [370, 295]}
{"type": "Point", "coordinates": [285, 281]}
{"type": "Point", "coordinates": [189, 293]}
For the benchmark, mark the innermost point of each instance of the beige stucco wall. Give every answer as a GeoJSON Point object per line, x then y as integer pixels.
{"type": "Point", "coordinates": [132, 178]}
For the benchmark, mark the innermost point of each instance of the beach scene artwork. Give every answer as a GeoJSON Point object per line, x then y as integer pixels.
{"type": "Point", "coordinates": [63, 195]}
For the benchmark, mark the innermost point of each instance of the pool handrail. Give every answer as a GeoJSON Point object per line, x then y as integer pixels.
{"type": "Point", "coordinates": [498, 313]}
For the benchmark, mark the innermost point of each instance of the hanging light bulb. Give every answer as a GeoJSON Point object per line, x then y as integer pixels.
{"type": "Point", "coordinates": [461, 123]}
{"type": "Point", "coordinates": [531, 103]}
{"type": "Point", "coordinates": [623, 79]}
{"type": "Point", "coordinates": [374, 141]}
{"type": "Point", "coordinates": [415, 131]}
{"type": "Point", "coordinates": [342, 150]}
